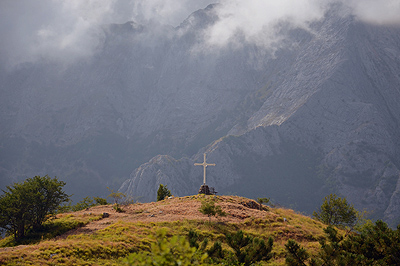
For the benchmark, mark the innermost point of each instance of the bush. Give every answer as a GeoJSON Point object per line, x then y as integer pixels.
{"type": "Point", "coordinates": [248, 249]}
{"type": "Point", "coordinates": [87, 202]}
{"type": "Point", "coordinates": [208, 208]}
{"type": "Point", "coordinates": [175, 251]}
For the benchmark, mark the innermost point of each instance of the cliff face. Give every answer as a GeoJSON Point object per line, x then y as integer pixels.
{"type": "Point", "coordinates": [329, 122]}
{"type": "Point", "coordinates": [144, 92]}
{"type": "Point", "coordinates": [320, 114]}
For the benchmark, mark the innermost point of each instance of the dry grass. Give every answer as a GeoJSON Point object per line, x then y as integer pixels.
{"type": "Point", "coordinates": [106, 241]}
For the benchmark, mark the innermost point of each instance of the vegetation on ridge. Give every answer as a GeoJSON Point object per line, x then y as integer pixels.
{"type": "Point", "coordinates": [135, 230]}
{"type": "Point", "coordinates": [173, 231]}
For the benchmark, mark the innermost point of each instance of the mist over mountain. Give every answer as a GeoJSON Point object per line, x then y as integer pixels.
{"type": "Point", "coordinates": [291, 103]}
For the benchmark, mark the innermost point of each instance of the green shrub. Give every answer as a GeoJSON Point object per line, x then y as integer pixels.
{"type": "Point", "coordinates": [173, 251]}
{"type": "Point", "coordinates": [208, 208]}
{"type": "Point", "coordinates": [248, 249]}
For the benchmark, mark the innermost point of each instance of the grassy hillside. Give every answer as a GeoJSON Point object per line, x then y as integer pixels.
{"type": "Point", "coordinates": [107, 241]}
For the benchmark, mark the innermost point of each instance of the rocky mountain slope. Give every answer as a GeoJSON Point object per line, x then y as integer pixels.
{"type": "Point", "coordinates": [317, 114]}
{"type": "Point", "coordinates": [329, 122]}
{"type": "Point", "coordinates": [143, 93]}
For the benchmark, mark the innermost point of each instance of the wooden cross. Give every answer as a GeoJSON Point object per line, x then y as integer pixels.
{"type": "Point", "coordinates": [205, 164]}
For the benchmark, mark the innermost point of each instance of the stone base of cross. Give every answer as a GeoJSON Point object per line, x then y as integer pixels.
{"type": "Point", "coordinates": [204, 189]}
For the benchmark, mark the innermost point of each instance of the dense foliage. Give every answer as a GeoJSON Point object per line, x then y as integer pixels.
{"type": "Point", "coordinates": [173, 252]}
{"type": "Point", "coordinates": [26, 205]}
{"type": "Point", "coordinates": [375, 244]}
{"type": "Point", "coordinates": [336, 211]}
{"type": "Point", "coordinates": [248, 249]}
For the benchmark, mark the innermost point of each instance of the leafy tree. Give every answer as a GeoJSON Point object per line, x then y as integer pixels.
{"type": "Point", "coordinates": [26, 205]}
{"type": "Point", "coordinates": [117, 196]}
{"type": "Point", "coordinates": [163, 192]}
{"type": "Point", "coordinates": [175, 251]}
{"type": "Point", "coordinates": [248, 249]}
{"type": "Point", "coordinates": [336, 211]}
{"type": "Point", "coordinates": [208, 208]}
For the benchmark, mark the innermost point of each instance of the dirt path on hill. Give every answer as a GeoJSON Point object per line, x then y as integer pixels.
{"type": "Point", "coordinates": [167, 211]}
{"type": "Point", "coordinates": [237, 209]}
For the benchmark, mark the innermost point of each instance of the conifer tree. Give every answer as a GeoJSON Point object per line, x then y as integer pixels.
{"type": "Point", "coordinates": [163, 192]}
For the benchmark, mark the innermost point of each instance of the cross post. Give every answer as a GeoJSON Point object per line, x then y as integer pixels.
{"type": "Point", "coordinates": [205, 164]}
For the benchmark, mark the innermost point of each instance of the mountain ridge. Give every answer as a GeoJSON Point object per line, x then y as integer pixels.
{"type": "Point", "coordinates": [339, 103]}
{"type": "Point", "coordinates": [314, 114]}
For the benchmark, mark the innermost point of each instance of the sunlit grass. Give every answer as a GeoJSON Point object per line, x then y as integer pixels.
{"type": "Point", "coordinates": [52, 228]}
{"type": "Point", "coordinates": [110, 245]}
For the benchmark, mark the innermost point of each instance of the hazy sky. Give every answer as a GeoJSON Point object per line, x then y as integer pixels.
{"type": "Point", "coordinates": [65, 30]}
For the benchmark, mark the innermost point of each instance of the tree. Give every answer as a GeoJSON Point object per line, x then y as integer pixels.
{"type": "Point", "coordinates": [117, 196]}
{"type": "Point", "coordinates": [163, 192]}
{"type": "Point", "coordinates": [26, 205]}
{"type": "Point", "coordinates": [375, 244]}
{"type": "Point", "coordinates": [262, 200]}
{"type": "Point", "coordinates": [208, 208]}
{"type": "Point", "coordinates": [336, 211]}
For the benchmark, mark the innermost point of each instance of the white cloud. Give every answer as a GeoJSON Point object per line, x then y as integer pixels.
{"type": "Point", "coordinates": [384, 12]}
{"type": "Point", "coordinates": [256, 21]}
{"type": "Point", "coordinates": [67, 30]}
{"type": "Point", "coordinates": [51, 29]}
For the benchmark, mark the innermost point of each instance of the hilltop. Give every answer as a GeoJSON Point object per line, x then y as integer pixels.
{"type": "Point", "coordinates": [105, 240]}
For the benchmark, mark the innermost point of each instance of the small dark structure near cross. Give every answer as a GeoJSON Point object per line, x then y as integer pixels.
{"type": "Point", "coordinates": [204, 189]}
